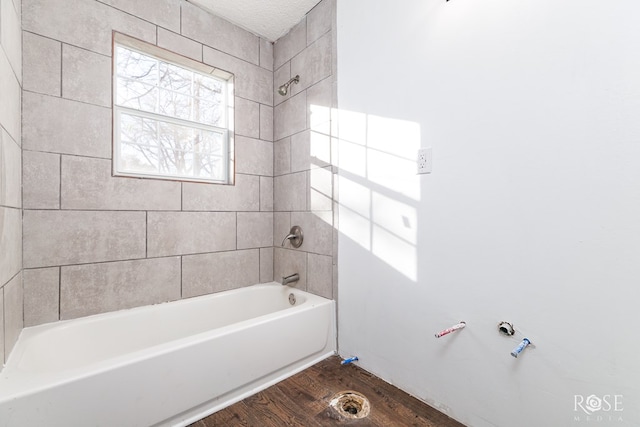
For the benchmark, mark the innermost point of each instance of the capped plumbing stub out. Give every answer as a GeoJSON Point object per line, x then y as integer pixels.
{"type": "Point", "coordinates": [506, 328]}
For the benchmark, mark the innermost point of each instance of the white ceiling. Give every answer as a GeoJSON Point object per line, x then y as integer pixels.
{"type": "Point", "coordinates": [270, 19]}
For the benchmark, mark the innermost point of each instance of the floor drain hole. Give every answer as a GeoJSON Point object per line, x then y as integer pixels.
{"type": "Point", "coordinates": [351, 404]}
{"type": "Point", "coordinates": [351, 409]}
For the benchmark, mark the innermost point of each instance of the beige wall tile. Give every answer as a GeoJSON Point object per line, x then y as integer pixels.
{"type": "Point", "coordinates": [41, 295]}
{"type": "Point", "coordinates": [86, 24]}
{"type": "Point", "coordinates": [11, 35]}
{"type": "Point", "coordinates": [165, 13]}
{"type": "Point", "coordinates": [290, 192]}
{"type": "Point", "coordinates": [301, 151]}
{"type": "Point", "coordinates": [290, 117]}
{"type": "Point", "coordinates": [87, 184]}
{"type": "Point", "coordinates": [266, 194]}
{"type": "Point", "coordinates": [178, 233]}
{"type": "Point", "coordinates": [320, 275]}
{"type": "Point", "coordinates": [98, 288]}
{"type": "Point", "coordinates": [314, 63]}
{"type": "Point", "coordinates": [13, 312]}
{"type": "Point", "coordinates": [319, 20]}
{"type": "Point", "coordinates": [291, 44]}
{"type": "Point", "coordinates": [247, 118]}
{"type": "Point", "coordinates": [318, 231]}
{"type": "Point", "coordinates": [282, 156]}
{"type": "Point", "coordinates": [10, 171]}
{"type": "Point", "coordinates": [42, 59]}
{"type": "Point", "coordinates": [178, 44]}
{"type": "Point", "coordinates": [252, 82]}
{"type": "Point", "coordinates": [310, 150]}
{"type": "Point", "coordinates": [266, 54]}
{"type": "Point", "coordinates": [10, 106]}
{"type": "Point", "coordinates": [266, 265]}
{"type": "Point", "coordinates": [254, 156]}
{"type": "Point", "coordinates": [73, 237]}
{"type": "Point", "coordinates": [287, 262]}
{"type": "Point", "coordinates": [255, 229]}
{"type": "Point", "coordinates": [209, 273]}
{"type": "Point", "coordinates": [219, 34]}
{"type": "Point", "coordinates": [63, 126]}
{"type": "Point", "coordinates": [10, 243]}
{"type": "Point", "coordinates": [243, 196]}
{"type": "Point", "coordinates": [266, 122]}
{"type": "Point", "coordinates": [86, 76]}
{"type": "Point", "coordinates": [281, 226]}
{"type": "Point", "coordinates": [41, 180]}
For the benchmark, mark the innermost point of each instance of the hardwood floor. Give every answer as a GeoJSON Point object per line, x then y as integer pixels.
{"type": "Point", "coordinates": [303, 400]}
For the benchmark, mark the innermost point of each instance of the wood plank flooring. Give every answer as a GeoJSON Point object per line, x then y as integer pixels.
{"type": "Point", "coordinates": [303, 400]}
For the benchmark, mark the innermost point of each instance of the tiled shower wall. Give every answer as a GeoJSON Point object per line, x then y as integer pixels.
{"type": "Point", "coordinates": [303, 171]}
{"type": "Point", "coordinates": [10, 177]}
{"type": "Point", "coordinates": [96, 243]}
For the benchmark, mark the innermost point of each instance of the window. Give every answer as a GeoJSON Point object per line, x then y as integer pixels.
{"type": "Point", "coordinates": [173, 117]}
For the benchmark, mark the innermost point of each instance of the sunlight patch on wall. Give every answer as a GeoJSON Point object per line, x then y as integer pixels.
{"type": "Point", "coordinates": [378, 186]}
{"type": "Point", "coordinates": [396, 217]}
{"type": "Point", "coordinates": [396, 252]}
{"type": "Point", "coordinates": [320, 148]}
{"type": "Point", "coordinates": [320, 119]}
{"type": "Point", "coordinates": [320, 198]}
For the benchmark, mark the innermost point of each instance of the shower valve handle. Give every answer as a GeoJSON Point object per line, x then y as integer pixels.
{"type": "Point", "coordinates": [295, 236]}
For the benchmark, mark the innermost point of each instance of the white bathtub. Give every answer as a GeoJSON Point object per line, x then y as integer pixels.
{"type": "Point", "coordinates": [163, 365]}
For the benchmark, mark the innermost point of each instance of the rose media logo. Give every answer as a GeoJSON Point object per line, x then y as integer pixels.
{"type": "Point", "coordinates": [592, 408]}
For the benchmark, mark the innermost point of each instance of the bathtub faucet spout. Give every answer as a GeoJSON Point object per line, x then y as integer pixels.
{"type": "Point", "coordinates": [290, 279]}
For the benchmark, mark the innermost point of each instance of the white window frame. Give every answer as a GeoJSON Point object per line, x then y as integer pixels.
{"type": "Point", "coordinates": [191, 65]}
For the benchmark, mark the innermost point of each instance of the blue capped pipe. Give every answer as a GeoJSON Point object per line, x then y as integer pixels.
{"type": "Point", "coordinates": [516, 351]}
{"type": "Point", "coordinates": [349, 360]}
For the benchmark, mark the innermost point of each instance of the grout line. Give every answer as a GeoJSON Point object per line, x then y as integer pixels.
{"type": "Point", "coordinates": [60, 184]}
{"type": "Point", "coordinates": [146, 235]}
{"type": "Point", "coordinates": [81, 264]}
{"type": "Point", "coordinates": [66, 99]}
{"type": "Point", "coordinates": [260, 195]}
{"type": "Point", "coordinates": [61, 66]}
{"type": "Point", "coordinates": [59, 292]}
{"type": "Point", "coordinates": [181, 284]}
{"type": "Point", "coordinates": [158, 210]}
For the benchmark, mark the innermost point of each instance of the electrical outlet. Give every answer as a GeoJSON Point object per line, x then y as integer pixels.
{"type": "Point", "coordinates": [424, 160]}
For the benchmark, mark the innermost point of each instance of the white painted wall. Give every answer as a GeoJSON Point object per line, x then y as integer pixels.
{"type": "Point", "coordinates": [531, 215]}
